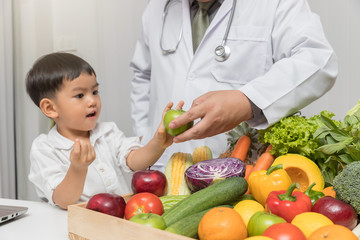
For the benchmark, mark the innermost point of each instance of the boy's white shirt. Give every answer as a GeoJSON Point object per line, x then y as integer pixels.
{"type": "Point", "coordinates": [50, 160]}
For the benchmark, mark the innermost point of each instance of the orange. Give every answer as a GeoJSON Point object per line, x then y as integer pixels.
{"type": "Point", "coordinates": [308, 222]}
{"type": "Point", "coordinates": [222, 223]}
{"type": "Point", "coordinates": [333, 232]}
{"type": "Point", "coordinates": [329, 191]}
{"type": "Point", "coordinates": [247, 208]}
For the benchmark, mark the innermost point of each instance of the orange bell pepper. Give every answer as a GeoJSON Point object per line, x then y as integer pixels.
{"type": "Point", "coordinates": [262, 182]}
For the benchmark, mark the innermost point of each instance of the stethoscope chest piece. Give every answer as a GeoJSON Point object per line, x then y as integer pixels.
{"type": "Point", "coordinates": [222, 53]}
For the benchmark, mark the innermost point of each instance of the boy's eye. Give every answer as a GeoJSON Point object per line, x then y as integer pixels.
{"type": "Point", "coordinates": [79, 95]}
{"type": "Point", "coordinates": [96, 92]}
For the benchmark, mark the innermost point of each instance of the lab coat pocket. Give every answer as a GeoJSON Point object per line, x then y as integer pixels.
{"type": "Point", "coordinates": [248, 46]}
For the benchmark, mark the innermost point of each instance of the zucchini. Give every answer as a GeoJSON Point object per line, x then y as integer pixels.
{"type": "Point", "coordinates": [222, 192]}
{"type": "Point", "coordinates": [188, 226]}
{"type": "Point", "coordinates": [169, 201]}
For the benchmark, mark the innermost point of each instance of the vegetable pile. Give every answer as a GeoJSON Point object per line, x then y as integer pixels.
{"type": "Point", "coordinates": [329, 143]}
{"type": "Point", "coordinates": [276, 179]}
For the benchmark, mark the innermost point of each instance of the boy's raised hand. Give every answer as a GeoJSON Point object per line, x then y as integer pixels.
{"type": "Point", "coordinates": [82, 154]}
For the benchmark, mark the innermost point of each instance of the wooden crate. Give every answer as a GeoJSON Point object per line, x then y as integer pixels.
{"type": "Point", "coordinates": [85, 224]}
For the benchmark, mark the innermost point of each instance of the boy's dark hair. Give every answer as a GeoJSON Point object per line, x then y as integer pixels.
{"type": "Point", "coordinates": [49, 71]}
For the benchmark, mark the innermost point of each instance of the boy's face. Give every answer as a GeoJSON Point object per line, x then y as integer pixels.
{"type": "Point", "coordinates": [78, 106]}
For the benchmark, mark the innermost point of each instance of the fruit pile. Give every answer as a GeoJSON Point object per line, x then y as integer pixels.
{"type": "Point", "coordinates": [277, 203]}
{"type": "Point", "coordinates": [294, 183]}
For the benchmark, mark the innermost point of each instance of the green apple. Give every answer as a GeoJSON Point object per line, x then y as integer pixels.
{"type": "Point", "coordinates": [149, 219]}
{"type": "Point", "coordinates": [260, 221]}
{"type": "Point", "coordinates": [171, 115]}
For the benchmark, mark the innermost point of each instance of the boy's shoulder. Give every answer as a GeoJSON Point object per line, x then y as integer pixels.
{"type": "Point", "coordinates": [42, 142]}
{"type": "Point", "coordinates": [53, 139]}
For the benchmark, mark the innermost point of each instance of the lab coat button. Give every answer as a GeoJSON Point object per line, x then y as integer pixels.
{"type": "Point", "coordinates": [192, 76]}
{"type": "Point", "coordinates": [102, 169]}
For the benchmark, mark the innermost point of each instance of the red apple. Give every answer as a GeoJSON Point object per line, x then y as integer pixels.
{"type": "Point", "coordinates": [152, 181]}
{"type": "Point", "coordinates": [107, 203]}
{"type": "Point", "coordinates": [337, 211]}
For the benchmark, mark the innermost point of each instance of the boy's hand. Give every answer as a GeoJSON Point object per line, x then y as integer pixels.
{"type": "Point", "coordinates": [82, 154]}
{"type": "Point", "coordinates": [161, 136]}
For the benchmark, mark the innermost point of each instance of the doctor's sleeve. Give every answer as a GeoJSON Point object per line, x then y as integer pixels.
{"type": "Point", "coordinates": [305, 66]}
{"type": "Point", "coordinates": [140, 94]}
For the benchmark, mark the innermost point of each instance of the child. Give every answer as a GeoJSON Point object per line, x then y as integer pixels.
{"type": "Point", "coordinates": [80, 157]}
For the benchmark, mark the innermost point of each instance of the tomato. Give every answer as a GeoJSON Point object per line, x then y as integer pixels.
{"type": "Point", "coordinates": [284, 231]}
{"type": "Point", "coordinates": [143, 203]}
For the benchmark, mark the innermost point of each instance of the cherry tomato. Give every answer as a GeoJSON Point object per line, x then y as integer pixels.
{"type": "Point", "coordinates": [284, 231]}
{"type": "Point", "coordinates": [143, 203]}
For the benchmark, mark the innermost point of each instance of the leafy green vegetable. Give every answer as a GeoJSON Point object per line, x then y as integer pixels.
{"type": "Point", "coordinates": [329, 143]}
{"type": "Point", "coordinates": [340, 140]}
{"type": "Point", "coordinates": [354, 109]}
{"type": "Point", "coordinates": [293, 134]}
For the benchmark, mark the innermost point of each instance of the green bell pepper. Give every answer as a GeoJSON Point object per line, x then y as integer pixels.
{"type": "Point", "coordinates": [314, 195]}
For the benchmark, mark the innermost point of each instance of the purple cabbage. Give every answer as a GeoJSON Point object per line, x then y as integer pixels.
{"type": "Point", "coordinates": [204, 173]}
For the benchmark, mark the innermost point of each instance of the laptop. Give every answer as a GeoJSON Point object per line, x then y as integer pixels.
{"type": "Point", "coordinates": [10, 212]}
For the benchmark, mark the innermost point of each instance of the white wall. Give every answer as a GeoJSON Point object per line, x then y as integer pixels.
{"type": "Point", "coordinates": [104, 33]}
{"type": "Point", "coordinates": [341, 22]}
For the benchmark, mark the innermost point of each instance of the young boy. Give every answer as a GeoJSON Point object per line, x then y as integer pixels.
{"type": "Point", "coordinates": [80, 157]}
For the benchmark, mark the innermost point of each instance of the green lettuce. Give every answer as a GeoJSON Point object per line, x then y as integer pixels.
{"type": "Point", "coordinates": [297, 134]}
{"type": "Point", "coordinates": [329, 143]}
{"type": "Point", "coordinates": [293, 134]}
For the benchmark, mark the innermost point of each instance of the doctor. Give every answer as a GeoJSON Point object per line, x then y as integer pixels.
{"type": "Point", "coordinates": [257, 61]}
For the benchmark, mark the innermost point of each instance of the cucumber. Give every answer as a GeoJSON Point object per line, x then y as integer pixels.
{"type": "Point", "coordinates": [223, 192]}
{"type": "Point", "coordinates": [188, 226]}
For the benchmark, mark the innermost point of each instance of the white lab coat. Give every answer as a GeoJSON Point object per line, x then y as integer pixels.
{"type": "Point", "coordinates": [280, 59]}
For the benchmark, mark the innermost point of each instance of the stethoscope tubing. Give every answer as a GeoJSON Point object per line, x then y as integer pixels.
{"type": "Point", "coordinates": [229, 23]}
{"type": "Point", "coordinates": [173, 50]}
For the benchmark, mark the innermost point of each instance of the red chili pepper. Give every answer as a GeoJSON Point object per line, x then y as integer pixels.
{"type": "Point", "coordinates": [287, 204]}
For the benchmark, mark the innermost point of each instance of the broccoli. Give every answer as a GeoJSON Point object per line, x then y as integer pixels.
{"type": "Point", "coordinates": [347, 185]}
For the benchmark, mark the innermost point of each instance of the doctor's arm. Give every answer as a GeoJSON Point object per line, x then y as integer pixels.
{"type": "Point", "coordinates": [304, 69]}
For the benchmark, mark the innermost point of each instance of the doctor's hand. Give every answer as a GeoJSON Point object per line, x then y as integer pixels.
{"type": "Point", "coordinates": [220, 111]}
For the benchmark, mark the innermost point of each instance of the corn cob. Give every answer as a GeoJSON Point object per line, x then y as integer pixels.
{"type": "Point", "coordinates": [174, 173]}
{"type": "Point", "coordinates": [201, 153]}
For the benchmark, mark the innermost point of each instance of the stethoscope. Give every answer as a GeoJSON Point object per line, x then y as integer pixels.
{"type": "Point", "coordinates": [222, 52]}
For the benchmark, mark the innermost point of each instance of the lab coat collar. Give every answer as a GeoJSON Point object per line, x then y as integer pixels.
{"type": "Point", "coordinates": [187, 28]}
{"type": "Point", "coordinates": [60, 142]}
{"type": "Point", "coordinates": [224, 9]}
{"type": "Point", "coordinates": [191, 1]}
